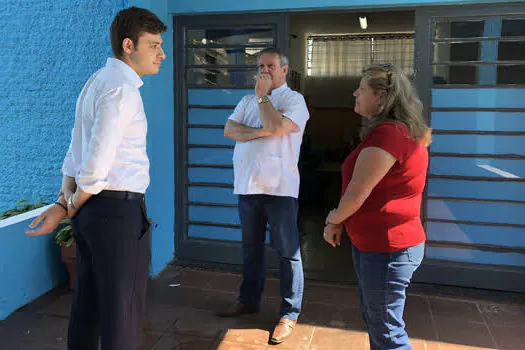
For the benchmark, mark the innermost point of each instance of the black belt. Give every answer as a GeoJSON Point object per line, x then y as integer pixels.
{"type": "Point", "coordinates": [121, 194]}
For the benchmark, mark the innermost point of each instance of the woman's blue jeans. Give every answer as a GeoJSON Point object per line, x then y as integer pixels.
{"type": "Point", "coordinates": [383, 279]}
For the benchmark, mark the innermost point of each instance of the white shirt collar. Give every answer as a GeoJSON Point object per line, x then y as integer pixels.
{"type": "Point", "coordinates": [127, 70]}
{"type": "Point", "coordinates": [279, 90]}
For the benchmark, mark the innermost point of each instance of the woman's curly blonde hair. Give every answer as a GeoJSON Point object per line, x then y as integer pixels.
{"type": "Point", "coordinates": [399, 101]}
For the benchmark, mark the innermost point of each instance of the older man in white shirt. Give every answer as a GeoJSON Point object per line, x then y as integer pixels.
{"type": "Point", "coordinates": [106, 172]}
{"type": "Point", "coordinates": [268, 129]}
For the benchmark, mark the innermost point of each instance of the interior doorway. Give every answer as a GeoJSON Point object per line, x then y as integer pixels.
{"type": "Point", "coordinates": [327, 54]}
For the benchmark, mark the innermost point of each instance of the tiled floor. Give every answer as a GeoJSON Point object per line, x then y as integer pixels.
{"type": "Point", "coordinates": [181, 317]}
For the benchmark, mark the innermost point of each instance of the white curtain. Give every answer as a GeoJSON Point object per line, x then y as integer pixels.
{"type": "Point", "coordinates": [335, 58]}
{"type": "Point", "coordinates": [398, 51]}
{"type": "Point", "coordinates": [346, 56]}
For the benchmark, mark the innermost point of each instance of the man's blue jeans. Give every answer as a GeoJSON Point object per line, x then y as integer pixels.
{"type": "Point", "coordinates": [255, 212]}
{"type": "Point", "coordinates": [383, 279]}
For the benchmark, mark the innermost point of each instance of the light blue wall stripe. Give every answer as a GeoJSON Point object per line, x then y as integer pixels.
{"type": "Point", "coordinates": [208, 116]}
{"type": "Point", "coordinates": [476, 211]}
{"type": "Point", "coordinates": [478, 98]}
{"type": "Point", "coordinates": [215, 232]}
{"type": "Point", "coordinates": [476, 256]}
{"type": "Point", "coordinates": [218, 195]}
{"type": "Point", "coordinates": [474, 234]}
{"type": "Point", "coordinates": [223, 176]}
{"type": "Point", "coordinates": [213, 214]}
{"type": "Point", "coordinates": [478, 121]}
{"type": "Point", "coordinates": [220, 156]}
{"type": "Point", "coordinates": [477, 189]}
{"type": "Point", "coordinates": [473, 166]}
{"type": "Point", "coordinates": [199, 136]}
{"type": "Point", "coordinates": [216, 97]}
{"type": "Point", "coordinates": [479, 144]}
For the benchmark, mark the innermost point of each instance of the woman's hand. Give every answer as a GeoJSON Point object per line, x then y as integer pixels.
{"type": "Point", "coordinates": [332, 234]}
{"type": "Point", "coordinates": [332, 218]}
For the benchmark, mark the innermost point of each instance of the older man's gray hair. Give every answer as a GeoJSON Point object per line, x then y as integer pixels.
{"type": "Point", "coordinates": [274, 51]}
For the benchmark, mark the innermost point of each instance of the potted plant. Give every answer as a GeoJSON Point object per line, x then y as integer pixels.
{"type": "Point", "coordinates": [66, 241]}
{"type": "Point", "coordinates": [21, 207]}
{"type": "Point", "coordinates": [64, 237]}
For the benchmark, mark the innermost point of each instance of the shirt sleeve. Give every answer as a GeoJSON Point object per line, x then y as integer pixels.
{"type": "Point", "coordinates": [239, 112]}
{"type": "Point", "coordinates": [113, 112]}
{"type": "Point", "coordinates": [68, 166]}
{"type": "Point", "coordinates": [297, 111]}
{"type": "Point", "coordinates": [393, 138]}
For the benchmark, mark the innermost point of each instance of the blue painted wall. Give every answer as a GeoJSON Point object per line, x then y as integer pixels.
{"type": "Point", "coordinates": [48, 50]}
{"type": "Point", "coordinates": [29, 266]}
{"type": "Point", "coordinates": [157, 94]}
{"type": "Point", "coordinates": [216, 6]}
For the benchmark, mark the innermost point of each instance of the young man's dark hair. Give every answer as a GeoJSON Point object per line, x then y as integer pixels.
{"type": "Point", "coordinates": [132, 23]}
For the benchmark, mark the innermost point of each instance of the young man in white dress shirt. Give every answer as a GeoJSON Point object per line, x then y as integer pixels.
{"type": "Point", "coordinates": [268, 129]}
{"type": "Point", "coordinates": [105, 175]}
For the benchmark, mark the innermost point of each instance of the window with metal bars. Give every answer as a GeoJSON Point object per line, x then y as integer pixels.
{"type": "Point", "coordinates": [347, 55]}
{"type": "Point", "coordinates": [479, 51]}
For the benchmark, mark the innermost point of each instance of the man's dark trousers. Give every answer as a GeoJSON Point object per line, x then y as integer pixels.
{"type": "Point", "coordinates": [280, 212]}
{"type": "Point", "coordinates": [113, 254]}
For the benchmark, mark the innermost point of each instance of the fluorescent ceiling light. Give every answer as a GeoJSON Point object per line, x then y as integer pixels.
{"type": "Point", "coordinates": [363, 22]}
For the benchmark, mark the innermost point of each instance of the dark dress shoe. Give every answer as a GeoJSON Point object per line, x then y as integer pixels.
{"type": "Point", "coordinates": [237, 309]}
{"type": "Point", "coordinates": [283, 330]}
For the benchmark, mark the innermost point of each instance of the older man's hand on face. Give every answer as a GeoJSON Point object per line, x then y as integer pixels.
{"type": "Point", "coordinates": [263, 84]}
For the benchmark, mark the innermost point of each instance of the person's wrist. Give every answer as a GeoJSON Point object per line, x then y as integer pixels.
{"type": "Point", "coordinates": [63, 206]}
{"type": "Point", "coordinates": [333, 218]}
{"type": "Point", "coordinates": [62, 200]}
{"type": "Point", "coordinates": [263, 99]}
{"type": "Point", "coordinates": [72, 203]}
{"type": "Point", "coordinates": [264, 132]}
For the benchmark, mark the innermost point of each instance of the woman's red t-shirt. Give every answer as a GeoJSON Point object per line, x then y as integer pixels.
{"type": "Point", "coordinates": [389, 219]}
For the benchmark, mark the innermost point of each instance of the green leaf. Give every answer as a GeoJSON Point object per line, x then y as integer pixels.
{"type": "Point", "coordinates": [21, 207]}
{"type": "Point", "coordinates": [65, 234]}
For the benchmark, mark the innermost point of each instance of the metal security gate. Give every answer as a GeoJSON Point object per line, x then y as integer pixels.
{"type": "Point", "coordinates": [215, 67]}
{"type": "Point", "coordinates": [471, 76]}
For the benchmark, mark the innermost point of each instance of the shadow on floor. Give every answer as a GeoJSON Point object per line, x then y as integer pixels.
{"type": "Point", "coordinates": [183, 317]}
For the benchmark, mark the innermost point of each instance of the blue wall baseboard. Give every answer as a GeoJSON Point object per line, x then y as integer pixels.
{"type": "Point", "coordinates": [29, 266]}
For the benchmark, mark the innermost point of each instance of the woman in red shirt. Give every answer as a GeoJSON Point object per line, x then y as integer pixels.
{"type": "Point", "coordinates": [383, 182]}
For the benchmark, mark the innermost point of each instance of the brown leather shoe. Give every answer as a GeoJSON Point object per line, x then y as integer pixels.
{"type": "Point", "coordinates": [237, 309]}
{"type": "Point", "coordinates": [283, 330]}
